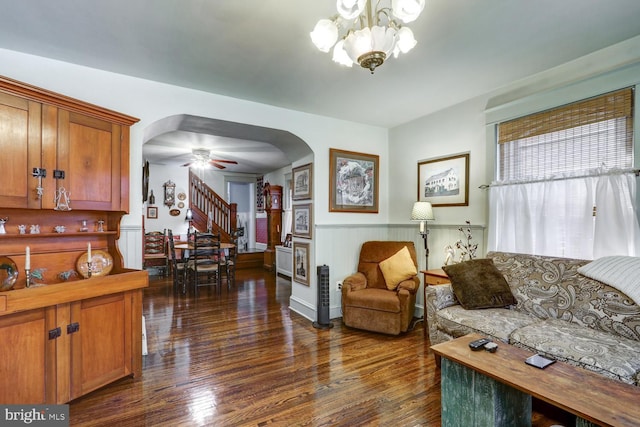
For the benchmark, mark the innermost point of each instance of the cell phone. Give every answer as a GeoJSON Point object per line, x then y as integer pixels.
{"type": "Point", "coordinates": [478, 344]}
{"type": "Point", "coordinates": [539, 361]}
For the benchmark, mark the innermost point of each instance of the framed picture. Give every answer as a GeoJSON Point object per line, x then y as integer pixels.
{"type": "Point", "coordinates": [152, 212]}
{"type": "Point", "coordinates": [287, 241]}
{"type": "Point", "coordinates": [302, 220]}
{"type": "Point", "coordinates": [353, 182]}
{"type": "Point", "coordinates": [444, 181]}
{"type": "Point", "coordinates": [301, 263]}
{"type": "Point", "coordinates": [302, 182]}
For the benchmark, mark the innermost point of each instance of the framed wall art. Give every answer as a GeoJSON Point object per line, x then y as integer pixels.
{"type": "Point", "coordinates": [152, 212]}
{"type": "Point", "coordinates": [353, 181]}
{"type": "Point", "coordinates": [302, 220]}
{"type": "Point", "coordinates": [302, 182]}
{"type": "Point", "coordinates": [444, 181]}
{"type": "Point", "coordinates": [301, 263]}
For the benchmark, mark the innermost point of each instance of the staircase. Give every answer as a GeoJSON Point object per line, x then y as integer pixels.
{"type": "Point", "coordinates": [205, 202]}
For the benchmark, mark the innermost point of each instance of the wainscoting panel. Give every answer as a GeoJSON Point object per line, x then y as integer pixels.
{"type": "Point", "coordinates": [130, 245]}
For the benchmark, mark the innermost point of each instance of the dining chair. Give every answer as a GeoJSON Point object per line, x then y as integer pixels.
{"type": "Point", "coordinates": [204, 267]}
{"type": "Point", "coordinates": [155, 252]}
{"type": "Point", "coordinates": [230, 264]}
{"type": "Point", "coordinates": [178, 269]}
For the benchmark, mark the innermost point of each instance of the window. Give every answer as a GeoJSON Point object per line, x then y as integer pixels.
{"type": "Point", "coordinates": [563, 184]}
{"type": "Point", "coordinates": [568, 140]}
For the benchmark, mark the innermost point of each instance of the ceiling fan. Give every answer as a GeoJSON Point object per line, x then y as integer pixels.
{"type": "Point", "coordinates": [202, 156]}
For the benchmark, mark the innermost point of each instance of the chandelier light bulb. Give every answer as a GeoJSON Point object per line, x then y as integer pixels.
{"type": "Point", "coordinates": [324, 35]}
{"type": "Point", "coordinates": [407, 10]}
{"type": "Point", "coordinates": [350, 9]}
{"type": "Point", "coordinates": [406, 41]}
{"type": "Point", "coordinates": [340, 55]}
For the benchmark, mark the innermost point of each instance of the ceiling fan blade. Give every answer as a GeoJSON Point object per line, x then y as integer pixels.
{"type": "Point", "coordinates": [232, 162]}
{"type": "Point", "coordinates": [218, 165]}
{"type": "Point", "coordinates": [188, 164]}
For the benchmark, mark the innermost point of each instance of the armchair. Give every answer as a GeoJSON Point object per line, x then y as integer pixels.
{"type": "Point", "coordinates": [367, 301]}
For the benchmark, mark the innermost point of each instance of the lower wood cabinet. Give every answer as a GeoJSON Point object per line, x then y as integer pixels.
{"type": "Point", "coordinates": [58, 353]}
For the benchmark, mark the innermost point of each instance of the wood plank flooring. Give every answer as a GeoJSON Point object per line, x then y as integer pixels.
{"type": "Point", "coordinates": [241, 358]}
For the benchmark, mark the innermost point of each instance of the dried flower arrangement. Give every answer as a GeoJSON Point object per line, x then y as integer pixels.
{"type": "Point", "coordinates": [466, 247]}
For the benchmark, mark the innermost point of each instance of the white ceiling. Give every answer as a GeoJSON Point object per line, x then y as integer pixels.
{"type": "Point", "coordinates": [260, 50]}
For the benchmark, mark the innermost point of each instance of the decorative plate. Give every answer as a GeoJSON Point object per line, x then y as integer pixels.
{"type": "Point", "coordinates": [182, 196]}
{"type": "Point", "coordinates": [181, 205]}
{"type": "Point", "coordinates": [102, 264]}
{"type": "Point", "coordinates": [8, 273]}
{"type": "Point", "coordinates": [174, 212]}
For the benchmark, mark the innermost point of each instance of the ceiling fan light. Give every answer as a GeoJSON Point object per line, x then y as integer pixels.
{"type": "Point", "coordinates": [406, 41]}
{"type": "Point", "coordinates": [340, 55]}
{"type": "Point", "coordinates": [350, 9]}
{"type": "Point", "coordinates": [324, 35]}
{"type": "Point", "coordinates": [407, 10]}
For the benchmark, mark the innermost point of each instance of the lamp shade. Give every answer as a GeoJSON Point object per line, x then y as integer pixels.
{"type": "Point", "coordinates": [189, 216]}
{"type": "Point", "coordinates": [422, 211]}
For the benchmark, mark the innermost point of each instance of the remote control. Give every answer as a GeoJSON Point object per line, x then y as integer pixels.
{"type": "Point", "coordinates": [491, 347]}
{"type": "Point", "coordinates": [478, 344]}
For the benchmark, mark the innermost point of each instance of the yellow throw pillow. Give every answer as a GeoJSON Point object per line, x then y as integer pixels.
{"type": "Point", "coordinates": [398, 268]}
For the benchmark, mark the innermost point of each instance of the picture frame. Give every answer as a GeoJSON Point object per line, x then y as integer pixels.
{"type": "Point", "coordinates": [302, 220]}
{"type": "Point", "coordinates": [287, 241]}
{"type": "Point", "coordinates": [301, 268]}
{"type": "Point", "coordinates": [152, 212]}
{"type": "Point", "coordinates": [302, 178]}
{"type": "Point", "coordinates": [444, 181]}
{"type": "Point", "coordinates": [353, 181]}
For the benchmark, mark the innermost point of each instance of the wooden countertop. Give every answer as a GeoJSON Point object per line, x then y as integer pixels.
{"type": "Point", "coordinates": [45, 296]}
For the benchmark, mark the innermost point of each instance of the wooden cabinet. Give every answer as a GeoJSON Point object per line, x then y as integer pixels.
{"type": "Point", "coordinates": [20, 145]}
{"type": "Point", "coordinates": [25, 354]}
{"type": "Point", "coordinates": [273, 209]}
{"type": "Point", "coordinates": [85, 337]}
{"type": "Point", "coordinates": [43, 130]}
{"type": "Point", "coordinates": [68, 335]}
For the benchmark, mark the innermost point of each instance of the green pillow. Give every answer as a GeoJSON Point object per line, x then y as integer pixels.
{"type": "Point", "coordinates": [479, 284]}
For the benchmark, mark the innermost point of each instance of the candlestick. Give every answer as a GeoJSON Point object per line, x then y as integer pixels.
{"type": "Point", "coordinates": [27, 273]}
{"type": "Point", "coordinates": [89, 267]}
{"type": "Point", "coordinates": [27, 260]}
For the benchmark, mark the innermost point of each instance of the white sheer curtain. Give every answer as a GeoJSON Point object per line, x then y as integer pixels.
{"type": "Point", "coordinates": [555, 217]}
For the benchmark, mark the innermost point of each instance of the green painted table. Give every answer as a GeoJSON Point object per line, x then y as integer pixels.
{"type": "Point", "coordinates": [495, 389]}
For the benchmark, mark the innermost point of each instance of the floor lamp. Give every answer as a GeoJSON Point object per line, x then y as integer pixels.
{"type": "Point", "coordinates": [423, 212]}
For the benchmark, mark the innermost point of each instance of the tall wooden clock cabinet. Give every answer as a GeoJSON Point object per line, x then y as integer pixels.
{"type": "Point", "coordinates": [273, 208]}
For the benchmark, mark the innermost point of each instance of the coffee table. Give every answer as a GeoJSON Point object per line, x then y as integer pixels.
{"type": "Point", "coordinates": [495, 389]}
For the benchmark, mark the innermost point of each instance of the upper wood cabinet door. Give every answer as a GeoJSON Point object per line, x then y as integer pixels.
{"type": "Point", "coordinates": [20, 144]}
{"type": "Point", "coordinates": [89, 154]}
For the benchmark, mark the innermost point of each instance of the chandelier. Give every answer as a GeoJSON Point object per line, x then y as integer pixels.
{"type": "Point", "coordinates": [369, 34]}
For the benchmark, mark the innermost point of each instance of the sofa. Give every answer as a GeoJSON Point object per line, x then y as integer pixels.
{"type": "Point", "coordinates": [558, 312]}
{"type": "Point", "coordinates": [381, 295]}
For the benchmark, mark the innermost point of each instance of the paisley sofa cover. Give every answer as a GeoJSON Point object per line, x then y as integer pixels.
{"type": "Point", "coordinates": [559, 313]}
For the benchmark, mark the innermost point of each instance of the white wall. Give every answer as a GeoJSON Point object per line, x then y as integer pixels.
{"type": "Point", "coordinates": [158, 175]}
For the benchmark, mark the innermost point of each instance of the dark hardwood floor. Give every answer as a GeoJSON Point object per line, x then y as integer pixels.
{"type": "Point", "coordinates": [242, 358]}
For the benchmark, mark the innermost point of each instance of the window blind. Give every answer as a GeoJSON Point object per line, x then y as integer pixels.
{"type": "Point", "coordinates": [569, 139]}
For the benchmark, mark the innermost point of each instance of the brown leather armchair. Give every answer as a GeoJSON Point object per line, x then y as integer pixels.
{"type": "Point", "coordinates": [366, 301]}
